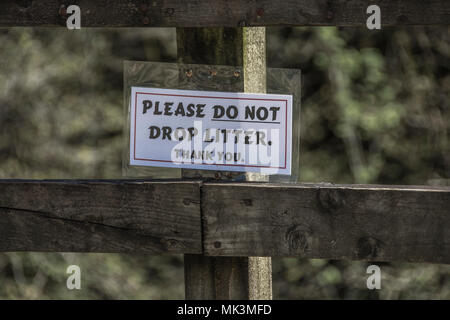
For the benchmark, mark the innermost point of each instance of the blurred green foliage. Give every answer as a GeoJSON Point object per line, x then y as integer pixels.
{"type": "Point", "coordinates": [375, 109]}
{"type": "Point", "coordinates": [375, 104]}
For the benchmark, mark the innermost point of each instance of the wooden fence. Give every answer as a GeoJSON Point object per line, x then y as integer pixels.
{"type": "Point", "coordinates": [357, 222]}
{"type": "Point", "coordinates": [223, 13]}
{"type": "Point", "coordinates": [221, 226]}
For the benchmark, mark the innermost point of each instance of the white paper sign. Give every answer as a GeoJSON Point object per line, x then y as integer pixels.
{"type": "Point", "coordinates": [208, 130]}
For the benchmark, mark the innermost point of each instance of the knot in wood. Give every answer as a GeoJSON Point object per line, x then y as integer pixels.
{"type": "Point", "coordinates": [170, 11]}
{"type": "Point", "coordinates": [62, 10]}
{"type": "Point", "coordinates": [259, 12]}
{"type": "Point", "coordinates": [298, 238]}
{"type": "Point", "coordinates": [402, 19]}
{"type": "Point", "coordinates": [330, 200]}
{"type": "Point", "coordinates": [172, 244]}
{"type": "Point", "coordinates": [368, 247]}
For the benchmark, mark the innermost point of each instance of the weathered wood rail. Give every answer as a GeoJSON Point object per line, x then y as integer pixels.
{"type": "Point", "coordinates": [223, 13]}
{"type": "Point", "coordinates": [357, 222]}
{"type": "Point", "coordinates": [100, 216]}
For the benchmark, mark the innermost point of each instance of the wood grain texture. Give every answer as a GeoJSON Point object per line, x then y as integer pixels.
{"type": "Point", "coordinates": [100, 216]}
{"type": "Point", "coordinates": [208, 278]}
{"type": "Point", "coordinates": [214, 46]}
{"type": "Point", "coordinates": [226, 277]}
{"type": "Point", "coordinates": [259, 269]}
{"type": "Point", "coordinates": [217, 278]}
{"type": "Point", "coordinates": [375, 223]}
{"type": "Point", "coordinates": [217, 47]}
{"type": "Point", "coordinates": [223, 13]}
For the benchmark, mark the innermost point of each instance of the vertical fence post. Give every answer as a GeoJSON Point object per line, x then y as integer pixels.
{"type": "Point", "coordinates": [227, 277]}
{"type": "Point", "coordinates": [254, 56]}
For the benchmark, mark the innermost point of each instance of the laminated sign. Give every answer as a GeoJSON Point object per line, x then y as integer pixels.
{"type": "Point", "coordinates": [211, 130]}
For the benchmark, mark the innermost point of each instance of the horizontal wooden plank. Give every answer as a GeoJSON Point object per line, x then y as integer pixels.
{"type": "Point", "coordinates": [378, 223]}
{"type": "Point", "coordinates": [356, 222]}
{"type": "Point", "coordinates": [223, 13]}
{"type": "Point", "coordinates": [100, 216]}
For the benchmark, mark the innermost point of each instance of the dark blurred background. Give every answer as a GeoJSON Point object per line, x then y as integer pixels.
{"type": "Point", "coordinates": [375, 109]}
